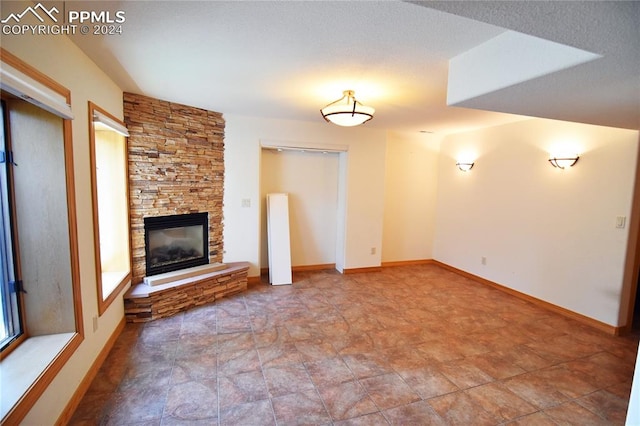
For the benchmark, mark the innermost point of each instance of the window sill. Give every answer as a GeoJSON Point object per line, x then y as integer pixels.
{"type": "Point", "coordinates": [111, 281]}
{"type": "Point", "coordinates": [22, 367]}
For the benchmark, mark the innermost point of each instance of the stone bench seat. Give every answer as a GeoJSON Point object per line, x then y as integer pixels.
{"type": "Point", "coordinates": [143, 303]}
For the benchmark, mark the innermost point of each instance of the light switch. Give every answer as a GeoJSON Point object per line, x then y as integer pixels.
{"type": "Point", "coordinates": [246, 202]}
{"type": "Point", "coordinates": [621, 221]}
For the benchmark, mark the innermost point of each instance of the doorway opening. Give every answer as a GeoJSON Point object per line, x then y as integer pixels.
{"type": "Point", "coordinates": [314, 178]}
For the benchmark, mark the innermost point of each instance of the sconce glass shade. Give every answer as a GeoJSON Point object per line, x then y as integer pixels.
{"type": "Point", "coordinates": [347, 111]}
{"type": "Point", "coordinates": [465, 167]}
{"type": "Point", "coordinates": [563, 162]}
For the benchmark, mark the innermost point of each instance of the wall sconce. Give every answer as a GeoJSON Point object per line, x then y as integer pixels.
{"type": "Point", "coordinates": [465, 167]}
{"type": "Point", "coordinates": [564, 162]}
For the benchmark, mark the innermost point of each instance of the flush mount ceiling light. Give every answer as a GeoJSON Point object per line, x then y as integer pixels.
{"type": "Point", "coordinates": [564, 162]}
{"type": "Point", "coordinates": [347, 111]}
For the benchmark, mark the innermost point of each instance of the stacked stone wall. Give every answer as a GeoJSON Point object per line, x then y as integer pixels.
{"type": "Point", "coordinates": [176, 166]}
{"type": "Point", "coordinates": [143, 303]}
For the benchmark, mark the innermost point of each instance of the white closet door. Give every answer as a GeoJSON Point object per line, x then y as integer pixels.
{"type": "Point", "coordinates": [278, 236]}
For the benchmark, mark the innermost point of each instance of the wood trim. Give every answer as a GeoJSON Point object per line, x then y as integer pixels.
{"type": "Point", "coordinates": [538, 302]}
{"type": "Point", "coordinates": [327, 266]}
{"type": "Point", "coordinates": [319, 267]}
{"type": "Point", "coordinates": [254, 280]}
{"type": "Point", "coordinates": [303, 268]}
{"type": "Point", "coordinates": [407, 263]}
{"type": "Point", "coordinates": [81, 390]}
{"type": "Point", "coordinates": [103, 304]}
{"type": "Point", "coordinates": [94, 206]}
{"type": "Point", "coordinates": [73, 224]}
{"type": "Point", "coordinates": [17, 341]}
{"type": "Point", "coordinates": [24, 404]}
{"type": "Point", "coordinates": [360, 270]}
{"type": "Point", "coordinates": [30, 397]}
{"type": "Point", "coordinates": [632, 260]}
{"type": "Point", "coordinates": [17, 63]}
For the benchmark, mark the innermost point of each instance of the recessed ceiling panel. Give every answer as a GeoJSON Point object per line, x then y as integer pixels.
{"type": "Point", "coordinates": [506, 60]}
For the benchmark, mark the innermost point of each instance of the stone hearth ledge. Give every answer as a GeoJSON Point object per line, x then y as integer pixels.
{"type": "Point", "coordinates": [143, 303]}
{"type": "Point", "coordinates": [170, 277]}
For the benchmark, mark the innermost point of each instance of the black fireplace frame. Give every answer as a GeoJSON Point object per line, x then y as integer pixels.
{"type": "Point", "coordinates": [155, 223]}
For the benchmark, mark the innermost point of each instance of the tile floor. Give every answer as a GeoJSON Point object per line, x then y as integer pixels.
{"type": "Point", "coordinates": [412, 345]}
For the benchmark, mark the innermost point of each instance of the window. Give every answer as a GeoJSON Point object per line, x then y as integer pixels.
{"type": "Point", "coordinates": [35, 205]}
{"type": "Point", "coordinates": [109, 175]}
{"type": "Point", "coordinates": [12, 321]}
{"type": "Point", "coordinates": [38, 236]}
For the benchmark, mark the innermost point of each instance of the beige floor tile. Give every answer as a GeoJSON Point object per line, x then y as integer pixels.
{"type": "Point", "coordinates": [347, 400]}
{"type": "Point", "coordinates": [303, 408]}
{"type": "Point", "coordinates": [389, 390]}
{"type": "Point", "coordinates": [416, 413]}
{"type": "Point", "coordinates": [574, 414]}
{"type": "Point", "coordinates": [460, 409]}
{"type": "Point", "coordinates": [408, 345]}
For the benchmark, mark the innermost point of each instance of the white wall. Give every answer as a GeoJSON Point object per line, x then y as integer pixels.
{"type": "Point", "coordinates": [60, 59]}
{"type": "Point", "coordinates": [411, 182]}
{"type": "Point", "coordinates": [311, 180]}
{"type": "Point", "coordinates": [545, 232]}
{"type": "Point", "coordinates": [364, 183]}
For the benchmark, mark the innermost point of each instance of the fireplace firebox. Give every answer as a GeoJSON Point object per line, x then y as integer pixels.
{"type": "Point", "coordinates": [176, 242]}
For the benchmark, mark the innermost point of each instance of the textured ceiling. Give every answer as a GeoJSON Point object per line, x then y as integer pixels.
{"type": "Point", "coordinates": [288, 59]}
{"type": "Point", "coordinates": [605, 91]}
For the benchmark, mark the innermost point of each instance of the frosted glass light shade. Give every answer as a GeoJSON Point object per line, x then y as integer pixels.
{"type": "Point", "coordinates": [347, 111]}
{"type": "Point", "coordinates": [465, 167]}
{"type": "Point", "coordinates": [564, 162]}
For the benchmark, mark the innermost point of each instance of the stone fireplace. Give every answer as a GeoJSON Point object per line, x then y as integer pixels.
{"type": "Point", "coordinates": [176, 167]}
{"type": "Point", "coordinates": [176, 170]}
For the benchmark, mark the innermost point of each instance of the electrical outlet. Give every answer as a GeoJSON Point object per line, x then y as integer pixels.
{"type": "Point", "coordinates": [246, 202]}
{"type": "Point", "coordinates": [483, 260]}
{"type": "Point", "coordinates": [95, 323]}
{"type": "Point", "coordinates": [373, 250]}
